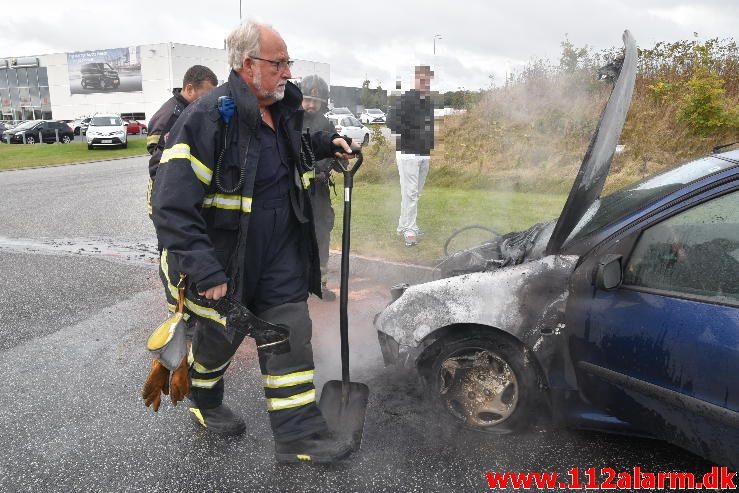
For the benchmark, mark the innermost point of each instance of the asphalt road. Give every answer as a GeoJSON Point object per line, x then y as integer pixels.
{"type": "Point", "coordinates": [79, 297]}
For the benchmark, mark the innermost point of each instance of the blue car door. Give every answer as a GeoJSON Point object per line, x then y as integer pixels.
{"type": "Point", "coordinates": [661, 351]}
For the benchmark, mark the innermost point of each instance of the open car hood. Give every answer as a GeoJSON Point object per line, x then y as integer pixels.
{"type": "Point", "coordinates": [590, 179]}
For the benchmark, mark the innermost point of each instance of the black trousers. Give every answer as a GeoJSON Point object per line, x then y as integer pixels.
{"type": "Point", "coordinates": [324, 218]}
{"type": "Point", "coordinates": [276, 289]}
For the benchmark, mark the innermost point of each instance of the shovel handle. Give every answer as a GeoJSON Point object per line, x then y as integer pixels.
{"type": "Point", "coordinates": [348, 172]}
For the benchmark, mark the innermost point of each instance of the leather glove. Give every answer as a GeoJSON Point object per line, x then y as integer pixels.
{"type": "Point", "coordinates": [157, 383]}
{"type": "Point", "coordinates": [179, 386]}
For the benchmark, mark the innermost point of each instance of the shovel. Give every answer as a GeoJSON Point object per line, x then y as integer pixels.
{"type": "Point", "coordinates": [344, 403]}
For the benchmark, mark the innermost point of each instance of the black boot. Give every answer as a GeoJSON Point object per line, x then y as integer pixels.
{"type": "Point", "coordinates": [320, 448]}
{"type": "Point", "coordinates": [219, 420]}
{"type": "Point", "coordinates": [327, 294]}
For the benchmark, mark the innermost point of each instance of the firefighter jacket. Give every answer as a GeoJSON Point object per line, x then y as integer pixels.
{"type": "Point", "coordinates": [315, 123]}
{"type": "Point", "coordinates": [203, 191]}
{"type": "Point", "coordinates": [412, 117]}
{"type": "Point", "coordinates": [160, 125]}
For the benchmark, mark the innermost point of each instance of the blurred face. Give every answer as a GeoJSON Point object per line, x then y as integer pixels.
{"type": "Point", "coordinates": [265, 79]}
{"type": "Point", "coordinates": [423, 81]}
{"type": "Point", "coordinates": [311, 105]}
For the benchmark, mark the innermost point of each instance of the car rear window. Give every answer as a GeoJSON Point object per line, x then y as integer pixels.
{"type": "Point", "coordinates": [105, 121]}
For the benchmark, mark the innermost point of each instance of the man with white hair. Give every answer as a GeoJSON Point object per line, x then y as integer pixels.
{"type": "Point", "coordinates": [231, 211]}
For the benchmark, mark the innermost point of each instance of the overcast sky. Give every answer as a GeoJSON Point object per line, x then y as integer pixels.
{"type": "Point", "coordinates": [376, 39]}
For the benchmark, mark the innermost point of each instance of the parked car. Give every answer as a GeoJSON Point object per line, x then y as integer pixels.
{"type": "Point", "coordinates": [106, 130]}
{"type": "Point", "coordinates": [3, 128]}
{"type": "Point", "coordinates": [80, 126]}
{"type": "Point", "coordinates": [35, 131]}
{"type": "Point", "coordinates": [338, 112]}
{"type": "Point", "coordinates": [134, 127]}
{"type": "Point", "coordinates": [621, 315]}
{"type": "Point", "coordinates": [349, 126]}
{"type": "Point", "coordinates": [372, 115]}
{"type": "Point", "coordinates": [99, 75]}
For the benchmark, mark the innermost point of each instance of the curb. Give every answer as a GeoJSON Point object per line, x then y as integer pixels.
{"type": "Point", "coordinates": [376, 268]}
{"type": "Point", "coordinates": [41, 166]}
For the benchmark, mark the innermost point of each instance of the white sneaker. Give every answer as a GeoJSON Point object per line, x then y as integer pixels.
{"type": "Point", "coordinates": [410, 238]}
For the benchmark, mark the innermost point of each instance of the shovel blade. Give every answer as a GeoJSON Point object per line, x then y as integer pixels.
{"type": "Point", "coordinates": [344, 407]}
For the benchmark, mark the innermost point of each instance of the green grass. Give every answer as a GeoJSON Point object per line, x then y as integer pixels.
{"type": "Point", "coordinates": [22, 156]}
{"type": "Point", "coordinates": [376, 206]}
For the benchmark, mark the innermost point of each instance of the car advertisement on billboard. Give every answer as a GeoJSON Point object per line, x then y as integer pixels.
{"type": "Point", "coordinates": [112, 70]}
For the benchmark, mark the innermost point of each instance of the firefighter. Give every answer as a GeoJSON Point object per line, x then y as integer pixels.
{"type": "Point", "coordinates": [232, 213]}
{"type": "Point", "coordinates": [197, 81]}
{"type": "Point", "coordinates": [315, 99]}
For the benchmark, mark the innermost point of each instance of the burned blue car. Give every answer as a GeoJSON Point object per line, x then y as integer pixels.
{"type": "Point", "coordinates": [621, 315]}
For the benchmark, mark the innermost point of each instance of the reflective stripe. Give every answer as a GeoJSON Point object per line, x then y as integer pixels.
{"type": "Point", "coordinates": [288, 380]}
{"type": "Point", "coordinates": [182, 151]}
{"type": "Point", "coordinates": [307, 177]}
{"type": "Point", "coordinates": [203, 383]}
{"type": "Point", "coordinates": [297, 400]}
{"type": "Point", "coordinates": [200, 368]}
{"type": "Point", "coordinates": [229, 202]}
{"type": "Point", "coordinates": [149, 188]}
{"type": "Point", "coordinates": [303, 457]}
{"type": "Point", "coordinates": [152, 139]}
{"type": "Point", "coordinates": [198, 310]}
{"type": "Point", "coordinates": [198, 415]}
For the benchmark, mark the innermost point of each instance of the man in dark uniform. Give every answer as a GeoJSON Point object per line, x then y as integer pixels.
{"type": "Point", "coordinates": [232, 213]}
{"type": "Point", "coordinates": [197, 81]}
{"type": "Point", "coordinates": [315, 99]}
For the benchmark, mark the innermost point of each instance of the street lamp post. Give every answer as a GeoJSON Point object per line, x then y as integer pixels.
{"type": "Point", "coordinates": [436, 36]}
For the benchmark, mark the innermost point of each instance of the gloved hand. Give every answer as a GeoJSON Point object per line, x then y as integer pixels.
{"type": "Point", "coordinates": [157, 383]}
{"type": "Point", "coordinates": [180, 383]}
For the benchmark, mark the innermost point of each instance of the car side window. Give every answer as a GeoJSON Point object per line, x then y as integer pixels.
{"type": "Point", "coordinates": [695, 252]}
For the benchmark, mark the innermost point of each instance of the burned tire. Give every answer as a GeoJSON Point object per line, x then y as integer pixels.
{"type": "Point", "coordinates": [365, 141]}
{"type": "Point", "coordinates": [483, 383]}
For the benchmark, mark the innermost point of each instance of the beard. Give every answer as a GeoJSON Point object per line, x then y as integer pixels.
{"type": "Point", "coordinates": [276, 94]}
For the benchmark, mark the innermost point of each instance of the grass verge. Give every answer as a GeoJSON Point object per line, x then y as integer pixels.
{"type": "Point", "coordinates": [23, 156]}
{"type": "Point", "coordinates": [375, 209]}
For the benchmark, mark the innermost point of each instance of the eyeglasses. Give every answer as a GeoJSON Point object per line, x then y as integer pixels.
{"type": "Point", "coordinates": [280, 65]}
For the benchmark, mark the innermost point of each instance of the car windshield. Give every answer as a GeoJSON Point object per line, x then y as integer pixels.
{"type": "Point", "coordinates": [618, 204]}
{"type": "Point", "coordinates": [28, 124]}
{"type": "Point", "coordinates": [105, 121]}
{"type": "Point", "coordinates": [374, 112]}
{"type": "Point", "coordinates": [341, 111]}
{"type": "Point", "coordinates": [354, 122]}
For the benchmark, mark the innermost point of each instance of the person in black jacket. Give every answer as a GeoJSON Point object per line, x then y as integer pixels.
{"type": "Point", "coordinates": [232, 214]}
{"type": "Point", "coordinates": [412, 119]}
{"type": "Point", "coordinates": [197, 81]}
{"type": "Point", "coordinates": [315, 99]}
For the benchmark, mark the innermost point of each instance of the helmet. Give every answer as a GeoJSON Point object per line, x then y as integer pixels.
{"type": "Point", "coordinates": [314, 87]}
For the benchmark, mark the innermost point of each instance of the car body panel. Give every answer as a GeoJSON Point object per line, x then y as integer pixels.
{"type": "Point", "coordinates": [491, 299]}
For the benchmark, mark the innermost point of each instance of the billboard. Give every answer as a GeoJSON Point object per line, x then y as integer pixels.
{"type": "Point", "coordinates": [113, 70]}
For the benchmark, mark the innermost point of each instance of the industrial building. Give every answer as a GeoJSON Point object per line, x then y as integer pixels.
{"type": "Point", "coordinates": [132, 81]}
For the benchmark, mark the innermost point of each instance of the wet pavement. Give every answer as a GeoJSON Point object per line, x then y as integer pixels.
{"type": "Point", "coordinates": [81, 295]}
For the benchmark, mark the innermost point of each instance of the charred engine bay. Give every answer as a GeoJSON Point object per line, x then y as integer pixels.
{"type": "Point", "coordinates": [500, 251]}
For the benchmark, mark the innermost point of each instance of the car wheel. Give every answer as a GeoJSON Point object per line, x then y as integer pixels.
{"type": "Point", "coordinates": [89, 147]}
{"type": "Point", "coordinates": [125, 145]}
{"type": "Point", "coordinates": [66, 139]}
{"type": "Point", "coordinates": [30, 139]}
{"type": "Point", "coordinates": [365, 141]}
{"type": "Point", "coordinates": [484, 383]}
{"type": "Point", "coordinates": [77, 131]}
